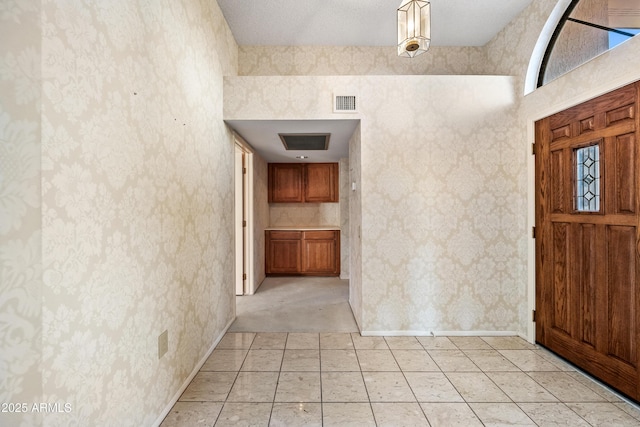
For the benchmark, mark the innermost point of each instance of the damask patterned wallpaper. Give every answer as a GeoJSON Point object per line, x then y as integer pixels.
{"type": "Point", "coordinates": [20, 209]}
{"type": "Point", "coordinates": [123, 199]}
{"type": "Point", "coordinates": [355, 222]}
{"type": "Point", "coordinates": [355, 60]}
{"type": "Point", "coordinates": [311, 214]}
{"type": "Point", "coordinates": [260, 217]}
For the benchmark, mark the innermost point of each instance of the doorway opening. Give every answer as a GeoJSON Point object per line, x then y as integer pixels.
{"type": "Point", "coordinates": [243, 209]}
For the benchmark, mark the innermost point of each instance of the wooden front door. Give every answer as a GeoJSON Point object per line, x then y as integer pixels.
{"type": "Point", "coordinates": [587, 241]}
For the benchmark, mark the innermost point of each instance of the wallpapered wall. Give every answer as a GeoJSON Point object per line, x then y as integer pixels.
{"type": "Point", "coordinates": [345, 194]}
{"type": "Point", "coordinates": [20, 212]}
{"type": "Point", "coordinates": [312, 214]}
{"type": "Point", "coordinates": [260, 217]}
{"type": "Point", "coordinates": [137, 200]}
{"type": "Point", "coordinates": [355, 221]}
{"type": "Point", "coordinates": [440, 230]}
{"type": "Point", "coordinates": [355, 60]}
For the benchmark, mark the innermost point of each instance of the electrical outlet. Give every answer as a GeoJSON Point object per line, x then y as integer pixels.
{"type": "Point", "coordinates": [163, 343]}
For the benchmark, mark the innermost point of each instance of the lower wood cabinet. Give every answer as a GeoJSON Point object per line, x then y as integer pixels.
{"type": "Point", "coordinates": [310, 253]}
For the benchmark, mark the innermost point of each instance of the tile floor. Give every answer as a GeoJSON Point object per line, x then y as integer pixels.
{"type": "Point", "coordinates": [343, 379]}
{"type": "Point", "coordinates": [280, 367]}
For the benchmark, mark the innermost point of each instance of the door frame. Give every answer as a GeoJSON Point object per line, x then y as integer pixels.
{"type": "Point", "coordinates": [245, 254]}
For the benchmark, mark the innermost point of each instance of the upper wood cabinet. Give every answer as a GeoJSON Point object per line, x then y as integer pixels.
{"type": "Point", "coordinates": [286, 182]}
{"type": "Point", "coordinates": [303, 182]}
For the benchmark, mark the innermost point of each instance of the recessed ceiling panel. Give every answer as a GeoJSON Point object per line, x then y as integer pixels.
{"type": "Point", "coordinates": [305, 141]}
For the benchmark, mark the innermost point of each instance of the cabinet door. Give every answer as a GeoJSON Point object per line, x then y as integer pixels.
{"type": "Point", "coordinates": [321, 253]}
{"type": "Point", "coordinates": [284, 252]}
{"type": "Point", "coordinates": [286, 183]}
{"type": "Point", "coordinates": [321, 182]}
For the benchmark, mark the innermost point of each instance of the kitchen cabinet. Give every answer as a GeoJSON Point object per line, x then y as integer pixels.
{"type": "Point", "coordinates": [284, 252]}
{"type": "Point", "coordinates": [303, 182]}
{"type": "Point", "coordinates": [306, 253]}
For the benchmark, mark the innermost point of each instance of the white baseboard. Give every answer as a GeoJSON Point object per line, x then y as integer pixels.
{"type": "Point", "coordinates": [195, 371]}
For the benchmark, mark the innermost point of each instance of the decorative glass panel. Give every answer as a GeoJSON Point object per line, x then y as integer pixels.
{"type": "Point", "coordinates": [587, 29]}
{"type": "Point", "coordinates": [588, 179]}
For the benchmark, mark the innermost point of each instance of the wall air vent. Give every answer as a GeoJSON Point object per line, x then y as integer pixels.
{"type": "Point", "coordinates": [344, 104]}
{"type": "Point", "coordinates": [305, 141]}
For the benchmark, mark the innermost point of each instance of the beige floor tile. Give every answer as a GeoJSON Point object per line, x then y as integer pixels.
{"type": "Point", "coordinates": [301, 360]}
{"type": "Point", "coordinates": [403, 343]}
{"type": "Point", "coordinates": [343, 387]}
{"type": "Point", "coordinates": [633, 410]}
{"type": "Point", "coordinates": [415, 360]}
{"type": "Point", "coordinates": [298, 387]}
{"type": "Point", "coordinates": [437, 343]}
{"type": "Point", "coordinates": [603, 414]}
{"type": "Point", "coordinates": [553, 414]}
{"type": "Point", "coordinates": [225, 360]}
{"type": "Point", "coordinates": [236, 340]}
{"type": "Point", "coordinates": [432, 387]}
{"type": "Point", "coordinates": [501, 414]}
{"type": "Point", "coordinates": [296, 414]}
{"type": "Point", "coordinates": [254, 387]}
{"type": "Point", "coordinates": [336, 341]}
{"type": "Point", "coordinates": [387, 387]}
{"type": "Point", "coordinates": [529, 360]}
{"type": "Point", "coordinates": [368, 343]}
{"type": "Point", "coordinates": [595, 386]}
{"type": "Point", "coordinates": [209, 386]}
{"type": "Point", "coordinates": [557, 361]}
{"type": "Point", "coordinates": [192, 414]}
{"type": "Point", "coordinates": [470, 343]}
{"type": "Point", "coordinates": [269, 341]}
{"type": "Point", "coordinates": [453, 361]}
{"type": "Point", "coordinates": [476, 387]}
{"type": "Point", "coordinates": [303, 341]}
{"type": "Point", "coordinates": [490, 360]}
{"type": "Point", "coordinates": [399, 415]}
{"type": "Point", "coordinates": [508, 343]}
{"type": "Point", "coordinates": [450, 415]}
{"type": "Point", "coordinates": [339, 360]}
{"type": "Point", "coordinates": [244, 414]}
{"type": "Point", "coordinates": [377, 360]}
{"type": "Point", "coordinates": [565, 388]}
{"type": "Point", "coordinates": [263, 360]}
{"type": "Point", "coordinates": [347, 415]}
{"type": "Point", "coordinates": [520, 387]}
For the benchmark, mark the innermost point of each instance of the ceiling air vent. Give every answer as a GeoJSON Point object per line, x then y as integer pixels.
{"type": "Point", "coordinates": [344, 104]}
{"type": "Point", "coordinates": [305, 141]}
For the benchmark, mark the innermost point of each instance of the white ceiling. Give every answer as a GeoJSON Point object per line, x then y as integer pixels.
{"type": "Point", "coordinates": [262, 135]}
{"type": "Point", "coordinates": [362, 22]}
{"type": "Point", "coordinates": [348, 23]}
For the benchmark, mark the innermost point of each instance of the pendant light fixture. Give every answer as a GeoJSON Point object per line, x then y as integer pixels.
{"type": "Point", "coordinates": [414, 27]}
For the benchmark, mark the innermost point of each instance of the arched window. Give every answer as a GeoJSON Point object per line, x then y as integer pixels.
{"type": "Point", "coordinates": [586, 29]}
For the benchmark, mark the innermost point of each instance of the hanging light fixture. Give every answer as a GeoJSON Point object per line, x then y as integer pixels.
{"type": "Point", "coordinates": [414, 27]}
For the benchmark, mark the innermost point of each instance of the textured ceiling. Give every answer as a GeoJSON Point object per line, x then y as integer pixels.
{"type": "Point", "coordinates": [362, 22]}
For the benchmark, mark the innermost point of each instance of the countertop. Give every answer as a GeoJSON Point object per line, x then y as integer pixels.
{"type": "Point", "coordinates": [304, 227]}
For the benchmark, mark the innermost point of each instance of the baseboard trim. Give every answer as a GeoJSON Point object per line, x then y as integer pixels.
{"type": "Point", "coordinates": [439, 333]}
{"type": "Point", "coordinates": [191, 376]}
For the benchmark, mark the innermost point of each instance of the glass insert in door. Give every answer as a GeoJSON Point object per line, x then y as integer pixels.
{"type": "Point", "coordinates": [588, 179]}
